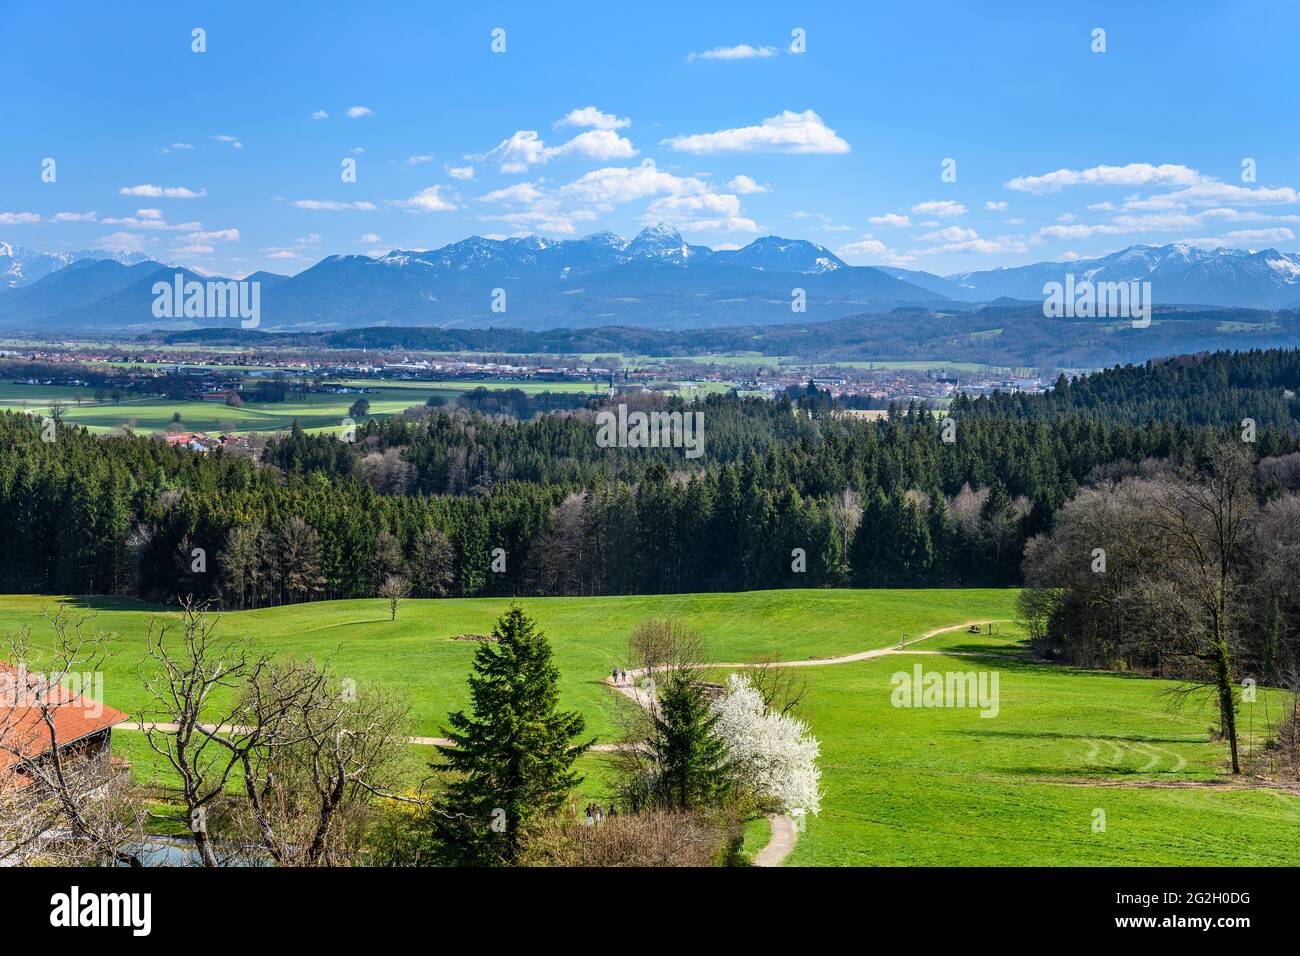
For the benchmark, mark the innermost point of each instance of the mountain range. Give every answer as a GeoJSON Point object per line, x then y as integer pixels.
{"type": "Point", "coordinates": [20, 266]}
{"type": "Point", "coordinates": [654, 280]}
{"type": "Point", "coordinates": [1179, 273]}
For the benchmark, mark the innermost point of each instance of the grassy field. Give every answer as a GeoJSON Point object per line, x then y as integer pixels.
{"type": "Point", "coordinates": [314, 412]}
{"type": "Point", "coordinates": [945, 786]}
{"type": "Point", "coordinates": [930, 786]}
{"type": "Point", "coordinates": [418, 656]}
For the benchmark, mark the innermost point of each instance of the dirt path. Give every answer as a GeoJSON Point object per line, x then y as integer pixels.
{"type": "Point", "coordinates": [778, 848]}
{"type": "Point", "coordinates": [230, 729]}
{"type": "Point", "coordinates": [784, 833]}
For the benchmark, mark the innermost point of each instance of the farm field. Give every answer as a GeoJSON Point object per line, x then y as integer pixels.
{"type": "Point", "coordinates": [926, 786]}
{"type": "Point", "coordinates": [315, 412]}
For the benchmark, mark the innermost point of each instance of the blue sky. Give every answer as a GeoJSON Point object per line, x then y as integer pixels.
{"type": "Point", "coordinates": [611, 116]}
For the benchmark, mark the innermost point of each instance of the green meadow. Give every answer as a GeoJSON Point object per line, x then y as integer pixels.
{"type": "Point", "coordinates": [418, 655]}
{"type": "Point", "coordinates": [1076, 767]}
{"type": "Point", "coordinates": [314, 412]}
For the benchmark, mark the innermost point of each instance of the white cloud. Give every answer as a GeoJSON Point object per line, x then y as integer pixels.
{"type": "Point", "coordinates": [520, 194]}
{"type": "Point", "coordinates": [426, 200]}
{"type": "Point", "coordinates": [371, 237]}
{"type": "Point", "coordinates": [787, 132]}
{"type": "Point", "coordinates": [226, 138]}
{"type": "Point", "coordinates": [1131, 174]}
{"type": "Point", "coordinates": [601, 190]}
{"type": "Point", "coordinates": [599, 144]}
{"type": "Point", "coordinates": [1212, 191]}
{"type": "Point", "coordinates": [74, 217]}
{"type": "Point", "coordinates": [620, 184]}
{"type": "Point", "coordinates": [1080, 231]}
{"type": "Point", "coordinates": [217, 235]}
{"type": "Point", "coordinates": [711, 212]}
{"type": "Point", "coordinates": [150, 222]}
{"type": "Point", "coordinates": [995, 206]}
{"type": "Point", "coordinates": [943, 208]}
{"type": "Point", "coordinates": [1251, 238]}
{"type": "Point", "coordinates": [332, 206]}
{"type": "Point", "coordinates": [416, 160]}
{"type": "Point", "coordinates": [741, 51]}
{"type": "Point", "coordinates": [863, 247]}
{"type": "Point", "coordinates": [149, 213]}
{"type": "Point", "coordinates": [951, 234]}
{"type": "Point", "coordinates": [301, 244]}
{"type": "Point", "coordinates": [165, 192]}
{"type": "Point", "coordinates": [891, 219]}
{"type": "Point", "coordinates": [540, 221]}
{"type": "Point", "coordinates": [526, 148]}
{"type": "Point", "coordinates": [1161, 214]}
{"type": "Point", "coordinates": [18, 218]}
{"type": "Point", "coordinates": [320, 115]}
{"type": "Point", "coordinates": [460, 172]}
{"type": "Point", "coordinates": [592, 117]}
{"type": "Point", "coordinates": [357, 111]}
{"type": "Point", "coordinates": [958, 239]}
{"type": "Point", "coordinates": [121, 242]}
{"type": "Point", "coordinates": [744, 185]}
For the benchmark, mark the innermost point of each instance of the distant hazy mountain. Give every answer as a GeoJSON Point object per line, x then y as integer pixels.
{"type": "Point", "coordinates": [1180, 274]}
{"type": "Point", "coordinates": [19, 266]}
{"type": "Point", "coordinates": [80, 284]}
{"type": "Point", "coordinates": [655, 280]}
{"type": "Point", "coordinates": [931, 282]}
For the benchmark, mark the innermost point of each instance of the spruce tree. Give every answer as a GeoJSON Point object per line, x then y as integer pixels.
{"type": "Point", "coordinates": [511, 759]}
{"type": "Point", "coordinates": [691, 760]}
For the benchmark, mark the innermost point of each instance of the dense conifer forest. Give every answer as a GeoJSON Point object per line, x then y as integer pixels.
{"type": "Point", "coordinates": [789, 493]}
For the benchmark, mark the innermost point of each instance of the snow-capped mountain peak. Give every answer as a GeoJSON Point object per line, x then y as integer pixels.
{"type": "Point", "coordinates": [660, 241]}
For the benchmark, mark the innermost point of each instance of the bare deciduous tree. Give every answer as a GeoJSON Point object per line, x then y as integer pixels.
{"type": "Point", "coordinates": [394, 590]}
{"type": "Point", "coordinates": [65, 804]}
{"type": "Point", "coordinates": [310, 795]}
{"type": "Point", "coordinates": [300, 560]}
{"type": "Point", "coordinates": [216, 704]}
{"type": "Point", "coordinates": [1206, 517]}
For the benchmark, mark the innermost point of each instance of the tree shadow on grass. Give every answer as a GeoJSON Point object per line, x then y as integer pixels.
{"type": "Point", "coordinates": [1057, 735]}
{"type": "Point", "coordinates": [108, 602]}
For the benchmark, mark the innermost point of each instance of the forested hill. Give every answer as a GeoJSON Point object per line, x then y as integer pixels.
{"type": "Point", "coordinates": [1219, 389]}
{"type": "Point", "coordinates": [430, 498]}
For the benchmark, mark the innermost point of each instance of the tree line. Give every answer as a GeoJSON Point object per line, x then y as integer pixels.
{"type": "Point", "coordinates": [788, 494]}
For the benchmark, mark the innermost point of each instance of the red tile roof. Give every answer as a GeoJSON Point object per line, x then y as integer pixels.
{"type": "Point", "coordinates": [23, 731]}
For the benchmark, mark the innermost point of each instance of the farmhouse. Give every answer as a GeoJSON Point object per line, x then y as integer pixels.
{"type": "Point", "coordinates": [198, 441]}
{"type": "Point", "coordinates": [82, 727]}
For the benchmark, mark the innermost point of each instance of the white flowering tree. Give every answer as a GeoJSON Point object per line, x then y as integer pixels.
{"type": "Point", "coordinates": [773, 753]}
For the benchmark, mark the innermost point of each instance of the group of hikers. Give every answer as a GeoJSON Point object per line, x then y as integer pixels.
{"type": "Point", "coordinates": [619, 676]}
{"type": "Point", "coordinates": [594, 814]}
